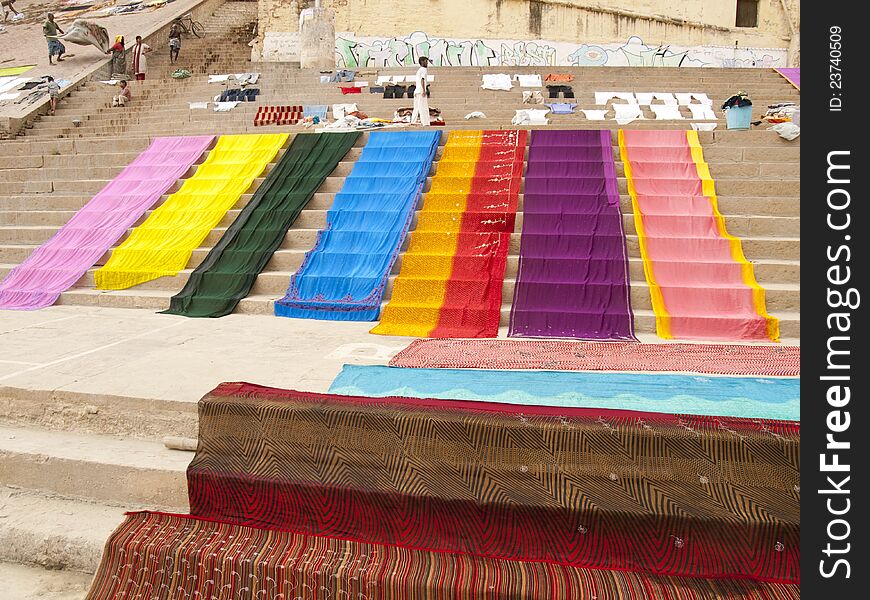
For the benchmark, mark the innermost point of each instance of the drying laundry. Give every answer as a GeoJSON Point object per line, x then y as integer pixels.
{"type": "Point", "coordinates": [605, 97]}
{"type": "Point", "coordinates": [626, 113]}
{"type": "Point", "coordinates": [595, 115]}
{"type": "Point", "coordinates": [225, 106]}
{"type": "Point", "coordinates": [667, 112]}
{"type": "Point", "coordinates": [531, 116]}
{"type": "Point", "coordinates": [529, 80]}
{"type": "Point", "coordinates": [685, 98]}
{"type": "Point", "coordinates": [532, 97]}
{"type": "Point", "coordinates": [702, 112]}
{"type": "Point", "coordinates": [562, 108]}
{"type": "Point", "coordinates": [497, 81]}
{"type": "Point", "coordinates": [278, 115]}
{"type": "Point", "coordinates": [340, 110]}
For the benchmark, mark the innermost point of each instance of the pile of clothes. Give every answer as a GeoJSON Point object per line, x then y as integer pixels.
{"type": "Point", "coordinates": [782, 112]}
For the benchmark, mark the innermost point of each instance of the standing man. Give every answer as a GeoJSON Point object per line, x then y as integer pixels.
{"type": "Point", "coordinates": [174, 40]}
{"type": "Point", "coordinates": [421, 98]}
{"type": "Point", "coordinates": [140, 49]}
{"type": "Point", "coordinates": [9, 6]}
{"type": "Point", "coordinates": [49, 30]}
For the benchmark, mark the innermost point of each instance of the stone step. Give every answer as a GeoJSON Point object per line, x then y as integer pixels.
{"type": "Point", "coordinates": [63, 535]}
{"type": "Point", "coordinates": [101, 468]}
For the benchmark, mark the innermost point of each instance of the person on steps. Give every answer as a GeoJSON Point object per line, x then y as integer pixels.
{"type": "Point", "coordinates": [421, 97]}
{"type": "Point", "coordinates": [50, 30]}
{"type": "Point", "coordinates": [123, 96]}
{"type": "Point", "coordinates": [53, 92]}
{"type": "Point", "coordinates": [9, 6]}
{"type": "Point", "coordinates": [119, 62]}
{"type": "Point", "coordinates": [174, 40]}
{"type": "Point", "coordinates": [139, 50]}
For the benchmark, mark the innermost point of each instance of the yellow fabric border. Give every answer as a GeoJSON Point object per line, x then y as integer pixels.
{"type": "Point", "coordinates": [162, 245]}
{"type": "Point", "coordinates": [663, 322]}
{"type": "Point", "coordinates": [758, 295]}
{"type": "Point", "coordinates": [419, 290]}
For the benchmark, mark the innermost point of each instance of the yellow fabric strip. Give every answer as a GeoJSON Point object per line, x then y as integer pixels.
{"type": "Point", "coordinates": [663, 325]}
{"type": "Point", "coordinates": [418, 291]}
{"type": "Point", "coordinates": [737, 254]}
{"type": "Point", "coordinates": [162, 245]}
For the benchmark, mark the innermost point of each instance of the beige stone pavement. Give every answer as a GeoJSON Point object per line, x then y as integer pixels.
{"type": "Point", "coordinates": [138, 353]}
{"type": "Point", "coordinates": [22, 42]}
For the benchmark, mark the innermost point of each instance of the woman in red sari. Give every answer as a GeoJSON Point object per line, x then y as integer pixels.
{"type": "Point", "coordinates": [119, 62]}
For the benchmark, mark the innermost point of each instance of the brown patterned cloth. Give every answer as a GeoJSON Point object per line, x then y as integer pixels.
{"type": "Point", "coordinates": [669, 494]}
{"type": "Point", "coordinates": [154, 555]}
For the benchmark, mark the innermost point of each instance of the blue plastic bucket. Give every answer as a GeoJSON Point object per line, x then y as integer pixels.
{"type": "Point", "coordinates": [738, 117]}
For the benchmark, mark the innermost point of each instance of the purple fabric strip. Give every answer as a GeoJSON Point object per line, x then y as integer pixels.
{"type": "Point", "coordinates": [573, 270]}
{"type": "Point", "coordinates": [77, 246]}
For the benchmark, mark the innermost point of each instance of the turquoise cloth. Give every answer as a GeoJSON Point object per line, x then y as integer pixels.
{"type": "Point", "coordinates": [748, 397]}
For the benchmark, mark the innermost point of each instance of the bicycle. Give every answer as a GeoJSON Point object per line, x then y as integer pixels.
{"type": "Point", "coordinates": [188, 25]}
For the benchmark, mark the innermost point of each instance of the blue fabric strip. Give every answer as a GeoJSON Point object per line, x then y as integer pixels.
{"type": "Point", "coordinates": [343, 277]}
{"type": "Point", "coordinates": [748, 397]}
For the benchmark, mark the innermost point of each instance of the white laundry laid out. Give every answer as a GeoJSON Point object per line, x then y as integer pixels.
{"type": "Point", "coordinates": [224, 106]}
{"type": "Point", "coordinates": [704, 126]}
{"type": "Point", "coordinates": [666, 112]}
{"type": "Point", "coordinates": [595, 115]}
{"type": "Point", "coordinates": [702, 112]}
{"type": "Point", "coordinates": [111, 81]}
{"type": "Point", "coordinates": [382, 79]}
{"type": "Point", "coordinates": [647, 98]}
{"type": "Point", "coordinates": [240, 78]}
{"type": "Point", "coordinates": [10, 83]}
{"type": "Point", "coordinates": [497, 81]}
{"type": "Point", "coordinates": [529, 80]}
{"type": "Point", "coordinates": [194, 105]}
{"type": "Point", "coordinates": [685, 98]}
{"type": "Point", "coordinates": [340, 110]}
{"type": "Point", "coordinates": [531, 116]}
{"type": "Point", "coordinates": [626, 113]}
{"type": "Point", "coordinates": [604, 97]}
{"type": "Point", "coordinates": [532, 97]}
{"type": "Point", "coordinates": [9, 96]}
{"type": "Point", "coordinates": [360, 84]}
{"type": "Point", "coordinates": [475, 115]}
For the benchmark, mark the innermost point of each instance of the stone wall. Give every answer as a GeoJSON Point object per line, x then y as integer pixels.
{"type": "Point", "coordinates": [702, 25]}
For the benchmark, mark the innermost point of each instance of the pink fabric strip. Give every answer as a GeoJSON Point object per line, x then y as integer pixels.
{"type": "Point", "coordinates": [701, 283]}
{"type": "Point", "coordinates": [77, 246]}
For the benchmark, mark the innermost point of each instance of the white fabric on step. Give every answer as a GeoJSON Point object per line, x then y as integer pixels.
{"type": "Point", "coordinates": [397, 79]}
{"type": "Point", "coordinates": [704, 126]}
{"type": "Point", "coordinates": [497, 81]}
{"type": "Point", "coordinates": [702, 112]}
{"type": "Point", "coordinates": [666, 97]}
{"type": "Point", "coordinates": [382, 79]}
{"type": "Point", "coordinates": [475, 115]}
{"type": "Point", "coordinates": [644, 98]}
{"type": "Point", "coordinates": [531, 116]}
{"type": "Point", "coordinates": [702, 98]}
{"type": "Point", "coordinates": [604, 97]}
{"type": "Point", "coordinates": [224, 106]}
{"type": "Point", "coordinates": [194, 105]}
{"type": "Point", "coordinates": [595, 115]}
{"type": "Point", "coordinates": [666, 112]}
{"type": "Point", "coordinates": [340, 110]}
{"type": "Point", "coordinates": [626, 113]}
{"type": "Point", "coordinates": [529, 80]}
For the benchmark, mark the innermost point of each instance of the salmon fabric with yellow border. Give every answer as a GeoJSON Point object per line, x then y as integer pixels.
{"type": "Point", "coordinates": [701, 285]}
{"type": "Point", "coordinates": [163, 244]}
{"type": "Point", "coordinates": [450, 283]}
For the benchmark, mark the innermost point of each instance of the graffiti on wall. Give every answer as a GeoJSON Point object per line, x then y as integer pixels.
{"type": "Point", "coordinates": [352, 52]}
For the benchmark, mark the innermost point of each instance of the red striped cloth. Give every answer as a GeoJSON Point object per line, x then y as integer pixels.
{"type": "Point", "coordinates": [278, 115]}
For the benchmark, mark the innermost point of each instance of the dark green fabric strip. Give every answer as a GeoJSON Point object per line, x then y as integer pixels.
{"type": "Point", "coordinates": [229, 271]}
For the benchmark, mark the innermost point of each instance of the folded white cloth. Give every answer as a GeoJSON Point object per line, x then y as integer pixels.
{"type": "Point", "coordinates": [702, 112]}
{"type": "Point", "coordinates": [666, 112]}
{"type": "Point", "coordinates": [685, 98]}
{"type": "Point", "coordinates": [531, 116]}
{"type": "Point", "coordinates": [497, 81]}
{"type": "Point", "coordinates": [360, 84]}
{"type": "Point", "coordinates": [475, 115]}
{"type": "Point", "coordinates": [704, 126]}
{"type": "Point", "coordinates": [644, 98]}
{"type": "Point", "coordinates": [224, 106]}
{"type": "Point", "coordinates": [340, 110]}
{"type": "Point", "coordinates": [529, 80]}
{"type": "Point", "coordinates": [666, 97]}
{"type": "Point", "coordinates": [604, 97]}
{"type": "Point", "coordinates": [626, 113]}
{"type": "Point", "coordinates": [595, 115]}
{"type": "Point", "coordinates": [198, 105]}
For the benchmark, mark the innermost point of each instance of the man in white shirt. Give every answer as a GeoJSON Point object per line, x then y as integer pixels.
{"type": "Point", "coordinates": [140, 49]}
{"type": "Point", "coordinates": [421, 98]}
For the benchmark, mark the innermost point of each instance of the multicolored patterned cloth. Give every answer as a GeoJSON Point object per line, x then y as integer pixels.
{"type": "Point", "coordinates": [666, 494]}
{"type": "Point", "coordinates": [720, 359]}
{"type": "Point", "coordinates": [174, 556]}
